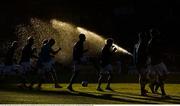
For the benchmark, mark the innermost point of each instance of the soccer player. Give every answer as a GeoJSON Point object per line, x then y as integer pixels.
{"type": "Point", "coordinates": [10, 60]}
{"type": "Point", "coordinates": [106, 63]}
{"type": "Point", "coordinates": [25, 62]}
{"type": "Point", "coordinates": [141, 62]}
{"type": "Point", "coordinates": [46, 63]}
{"type": "Point", "coordinates": [155, 52]}
{"type": "Point", "coordinates": [78, 59]}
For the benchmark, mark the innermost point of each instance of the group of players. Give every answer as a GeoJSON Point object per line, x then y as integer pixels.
{"type": "Point", "coordinates": [149, 60]}
{"type": "Point", "coordinates": [44, 67]}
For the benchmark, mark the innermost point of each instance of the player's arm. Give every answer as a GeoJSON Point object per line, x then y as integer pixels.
{"type": "Point", "coordinates": [114, 49]}
{"type": "Point", "coordinates": [55, 52]}
{"type": "Point", "coordinates": [86, 50]}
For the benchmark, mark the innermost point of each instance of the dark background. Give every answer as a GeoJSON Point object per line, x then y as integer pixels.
{"type": "Point", "coordinates": [120, 19]}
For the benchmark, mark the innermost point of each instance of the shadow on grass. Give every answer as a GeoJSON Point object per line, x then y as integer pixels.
{"type": "Point", "coordinates": [150, 97]}
{"type": "Point", "coordinates": [122, 96]}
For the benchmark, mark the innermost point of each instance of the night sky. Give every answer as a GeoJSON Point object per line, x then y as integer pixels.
{"type": "Point", "coordinates": [120, 19]}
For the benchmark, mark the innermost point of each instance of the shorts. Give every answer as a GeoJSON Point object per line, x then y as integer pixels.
{"type": "Point", "coordinates": [161, 69]}
{"type": "Point", "coordinates": [78, 65]}
{"type": "Point", "coordinates": [151, 74]}
{"type": "Point", "coordinates": [11, 69]}
{"type": "Point", "coordinates": [106, 69]}
{"type": "Point", "coordinates": [26, 67]}
{"type": "Point", "coordinates": [84, 60]}
{"type": "Point", "coordinates": [47, 67]}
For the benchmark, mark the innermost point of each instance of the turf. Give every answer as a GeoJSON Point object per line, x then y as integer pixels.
{"type": "Point", "coordinates": [124, 93]}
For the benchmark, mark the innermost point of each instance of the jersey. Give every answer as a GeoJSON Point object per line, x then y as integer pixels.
{"type": "Point", "coordinates": [106, 55]}
{"type": "Point", "coordinates": [78, 51]}
{"type": "Point", "coordinates": [27, 53]}
{"type": "Point", "coordinates": [45, 54]}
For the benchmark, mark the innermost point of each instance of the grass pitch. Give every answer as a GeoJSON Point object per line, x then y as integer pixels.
{"type": "Point", "coordinates": [124, 93]}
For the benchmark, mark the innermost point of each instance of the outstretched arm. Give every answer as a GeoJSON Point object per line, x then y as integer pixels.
{"type": "Point", "coordinates": [55, 52]}
{"type": "Point", "coordinates": [114, 49]}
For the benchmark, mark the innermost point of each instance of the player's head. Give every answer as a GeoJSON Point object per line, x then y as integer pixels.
{"type": "Point", "coordinates": [30, 40]}
{"type": "Point", "coordinates": [45, 41]}
{"type": "Point", "coordinates": [14, 44]}
{"type": "Point", "coordinates": [82, 37]}
{"type": "Point", "coordinates": [109, 41]}
{"type": "Point", "coordinates": [51, 42]}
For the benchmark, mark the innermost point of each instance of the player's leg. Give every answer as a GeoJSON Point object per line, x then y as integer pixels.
{"type": "Point", "coordinates": [158, 85]}
{"type": "Point", "coordinates": [72, 80]}
{"type": "Point", "coordinates": [161, 84]}
{"type": "Point", "coordinates": [76, 69]}
{"type": "Point", "coordinates": [163, 90]}
{"type": "Point", "coordinates": [40, 83]}
{"type": "Point", "coordinates": [108, 70]}
{"type": "Point", "coordinates": [55, 79]}
{"type": "Point", "coordinates": [22, 81]}
{"type": "Point", "coordinates": [109, 81]}
{"type": "Point", "coordinates": [42, 75]}
{"type": "Point", "coordinates": [143, 82]}
{"type": "Point", "coordinates": [34, 75]}
{"type": "Point", "coordinates": [52, 73]}
{"type": "Point", "coordinates": [153, 81]}
{"type": "Point", "coordinates": [156, 88]}
{"type": "Point", "coordinates": [151, 86]}
{"type": "Point", "coordinates": [24, 75]}
{"type": "Point", "coordinates": [100, 81]}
